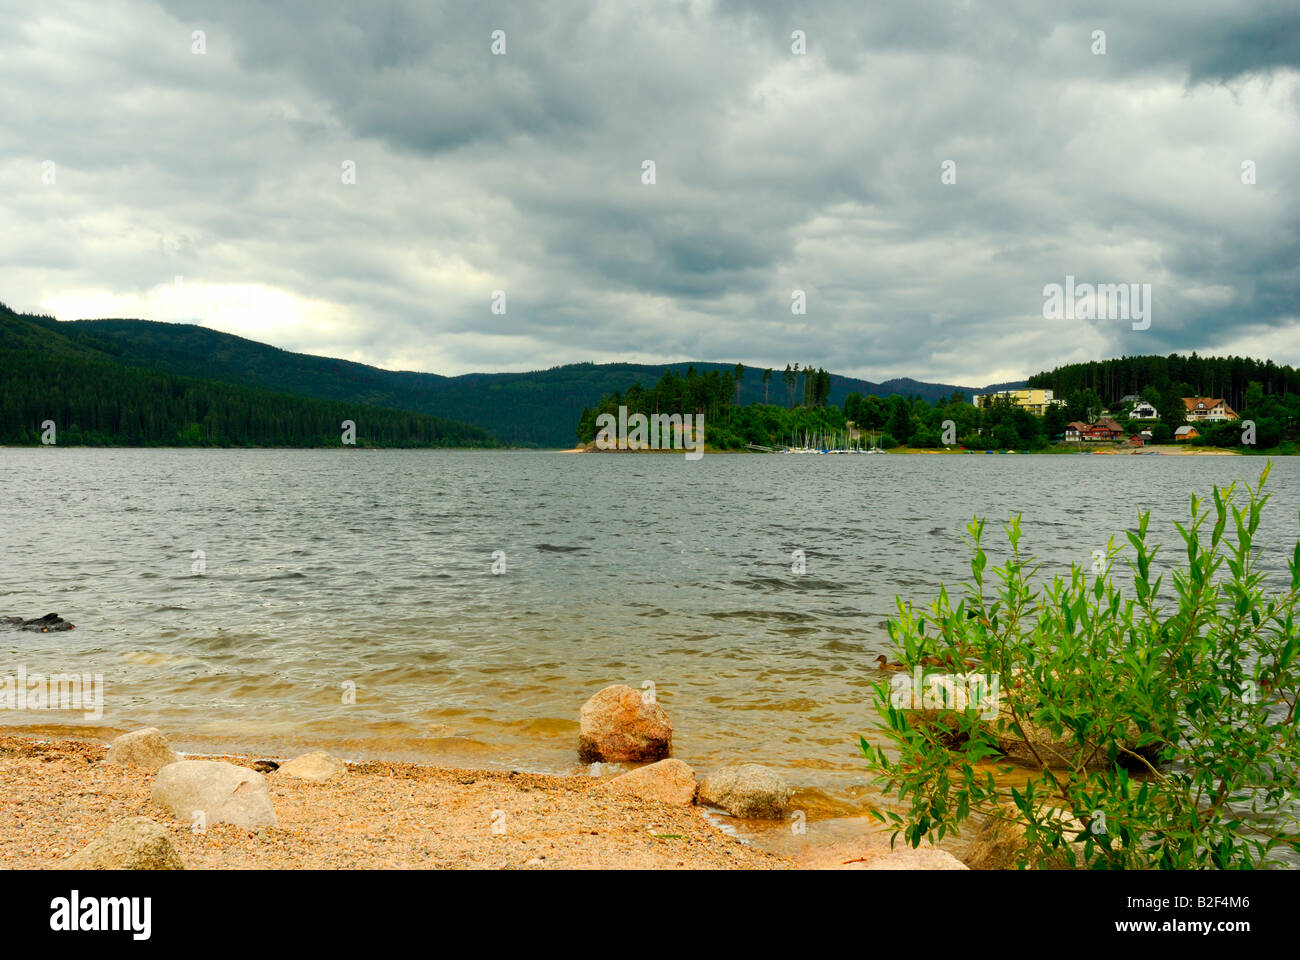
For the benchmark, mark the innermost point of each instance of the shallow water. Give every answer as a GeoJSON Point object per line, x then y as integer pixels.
{"type": "Point", "coordinates": [324, 568]}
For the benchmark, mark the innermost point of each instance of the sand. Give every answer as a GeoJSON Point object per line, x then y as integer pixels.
{"type": "Point", "coordinates": [55, 796]}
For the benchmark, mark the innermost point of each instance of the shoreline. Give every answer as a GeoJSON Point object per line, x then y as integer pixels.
{"type": "Point", "coordinates": [1164, 450]}
{"type": "Point", "coordinates": [60, 794]}
{"type": "Point", "coordinates": [1153, 451]}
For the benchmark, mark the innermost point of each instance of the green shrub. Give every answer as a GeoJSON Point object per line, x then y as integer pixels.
{"type": "Point", "coordinates": [1177, 704]}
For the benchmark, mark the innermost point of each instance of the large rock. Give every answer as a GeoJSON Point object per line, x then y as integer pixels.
{"type": "Point", "coordinates": [134, 844]}
{"type": "Point", "coordinates": [748, 790]}
{"type": "Point", "coordinates": [999, 844]}
{"type": "Point", "coordinates": [223, 792]}
{"type": "Point", "coordinates": [871, 851]}
{"type": "Point", "coordinates": [617, 725]}
{"type": "Point", "coordinates": [1061, 751]}
{"type": "Point", "coordinates": [668, 780]}
{"type": "Point", "coordinates": [146, 748]}
{"type": "Point", "coordinates": [919, 858]}
{"type": "Point", "coordinates": [315, 766]}
{"type": "Point", "coordinates": [50, 623]}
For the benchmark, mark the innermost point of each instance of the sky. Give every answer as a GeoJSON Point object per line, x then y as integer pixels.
{"type": "Point", "coordinates": [360, 180]}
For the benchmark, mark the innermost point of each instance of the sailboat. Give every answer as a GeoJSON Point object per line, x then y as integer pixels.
{"type": "Point", "coordinates": [874, 447]}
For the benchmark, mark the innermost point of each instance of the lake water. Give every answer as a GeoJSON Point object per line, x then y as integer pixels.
{"type": "Point", "coordinates": [324, 568]}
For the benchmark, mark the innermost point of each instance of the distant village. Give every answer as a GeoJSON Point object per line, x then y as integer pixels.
{"type": "Point", "coordinates": [1131, 421]}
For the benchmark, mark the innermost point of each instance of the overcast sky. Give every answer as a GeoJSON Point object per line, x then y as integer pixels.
{"type": "Point", "coordinates": [774, 172]}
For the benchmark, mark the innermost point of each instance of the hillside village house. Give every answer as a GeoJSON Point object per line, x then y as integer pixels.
{"type": "Point", "coordinates": [1103, 429]}
{"type": "Point", "coordinates": [1208, 409]}
{"type": "Point", "coordinates": [1185, 433]}
{"type": "Point", "coordinates": [1143, 411]}
{"type": "Point", "coordinates": [1074, 431]}
{"type": "Point", "coordinates": [1033, 399]}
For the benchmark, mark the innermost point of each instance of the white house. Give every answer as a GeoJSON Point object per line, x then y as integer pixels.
{"type": "Point", "coordinates": [1143, 411]}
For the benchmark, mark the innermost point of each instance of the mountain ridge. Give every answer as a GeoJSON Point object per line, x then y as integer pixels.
{"type": "Point", "coordinates": [524, 408]}
{"type": "Point", "coordinates": [85, 395]}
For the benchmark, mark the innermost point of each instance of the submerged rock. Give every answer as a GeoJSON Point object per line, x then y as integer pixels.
{"type": "Point", "coordinates": [619, 724]}
{"type": "Point", "coordinates": [50, 623]}
{"type": "Point", "coordinates": [146, 748]}
{"type": "Point", "coordinates": [748, 790]}
{"type": "Point", "coordinates": [221, 792]}
{"type": "Point", "coordinates": [668, 780]}
{"type": "Point", "coordinates": [137, 843]}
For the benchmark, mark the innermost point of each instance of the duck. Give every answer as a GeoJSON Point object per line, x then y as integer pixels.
{"type": "Point", "coordinates": [882, 662]}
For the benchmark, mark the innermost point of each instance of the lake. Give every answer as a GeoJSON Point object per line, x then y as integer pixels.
{"type": "Point", "coordinates": [320, 569]}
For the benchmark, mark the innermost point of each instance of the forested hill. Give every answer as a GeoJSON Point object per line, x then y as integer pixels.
{"type": "Point", "coordinates": [1176, 375]}
{"type": "Point", "coordinates": [94, 399]}
{"type": "Point", "coordinates": [537, 408]}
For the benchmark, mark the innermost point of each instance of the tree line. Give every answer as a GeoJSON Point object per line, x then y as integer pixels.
{"type": "Point", "coordinates": [99, 403]}
{"type": "Point", "coordinates": [999, 423]}
{"type": "Point", "coordinates": [1157, 377]}
{"type": "Point", "coordinates": [716, 394]}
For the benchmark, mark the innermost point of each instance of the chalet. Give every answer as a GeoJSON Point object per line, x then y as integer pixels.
{"type": "Point", "coordinates": [1143, 411]}
{"type": "Point", "coordinates": [1185, 433]}
{"type": "Point", "coordinates": [1074, 431]}
{"type": "Point", "coordinates": [1103, 429]}
{"type": "Point", "coordinates": [1208, 409]}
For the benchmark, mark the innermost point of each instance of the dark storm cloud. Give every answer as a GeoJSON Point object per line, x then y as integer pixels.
{"type": "Point", "coordinates": [774, 172]}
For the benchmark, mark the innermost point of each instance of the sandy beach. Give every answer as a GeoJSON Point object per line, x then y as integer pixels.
{"type": "Point", "coordinates": [58, 795]}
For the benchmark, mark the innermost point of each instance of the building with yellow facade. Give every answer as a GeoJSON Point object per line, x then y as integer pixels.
{"type": "Point", "coordinates": [1033, 399]}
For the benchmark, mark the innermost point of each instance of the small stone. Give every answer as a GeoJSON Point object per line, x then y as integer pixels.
{"type": "Point", "coordinates": [137, 843]}
{"type": "Point", "coordinates": [147, 749]}
{"type": "Point", "coordinates": [748, 790]}
{"type": "Point", "coordinates": [316, 767]}
{"type": "Point", "coordinates": [671, 781]}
